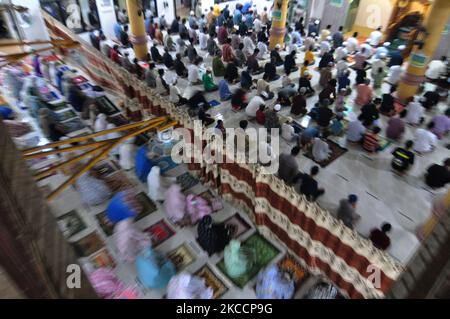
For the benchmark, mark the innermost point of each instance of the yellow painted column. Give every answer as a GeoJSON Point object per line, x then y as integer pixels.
{"type": "Point", "coordinates": [137, 26]}
{"type": "Point", "coordinates": [439, 209]}
{"type": "Point", "coordinates": [419, 59]}
{"type": "Point", "coordinates": [278, 30]}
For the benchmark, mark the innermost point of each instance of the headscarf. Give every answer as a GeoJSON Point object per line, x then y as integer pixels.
{"type": "Point", "coordinates": [123, 205]}
{"type": "Point", "coordinates": [153, 269]}
{"type": "Point", "coordinates": [129, 240]}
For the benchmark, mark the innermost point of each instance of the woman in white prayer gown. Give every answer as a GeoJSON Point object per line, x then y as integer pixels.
{"type": "Point", "coordinates": [127, 152]}
{"type": "Point", "coordinates": [157, 184]}
{"type": "Point", "coordinates": [100, 125]}
{"type": "Point", "coordinates": [320, 150]}
{"type": "Point", "coordinates": [186, 286]}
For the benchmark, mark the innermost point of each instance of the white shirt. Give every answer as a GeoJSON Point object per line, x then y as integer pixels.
{"type": "Point", "coordinates": [415, 112]}
{"type": "Point", "coordinates": [341, 53]}
{"type": "Point", "coordinates": [375, 38]}
{"type": "Point", "coordinates": [249, 46]}
{"type": "Point", "coordinates": [355, 131]}
{"type": "Point", "coordinates": [193, 73]}
{"type": "Point", "coordinates": [257, 25]}
{"type": "Point", "coordinates": [203, 40]}
{"type": "Point", "coordinates": [424, 141]}
{"type": "Point", "coordinates": [376, 64]}
{"type": "Point", "coordinates": [352, 44]}
{"type": "Point", "coordinates": [262, 47]}
{"type": "Point", "coordinates": [253, 106]}
{"type": "Point", "coordinates": [287, 132]}
{"type": "Point", "coordinates": [368, 50]}
{"type": "Point", "coordinates": [175, 94]}
{"type": "Point", "coordinates": [395, 75]}
{"type": "Point", "coordinates": [341, 66]}
{"type": "Point", "coordinates": [325, 47]}
{"type": "Point", "coordinates": [320, 150]}
{"type": "Point", "coordinates": [435, 69]}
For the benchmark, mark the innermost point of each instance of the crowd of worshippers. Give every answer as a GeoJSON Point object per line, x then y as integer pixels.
{"type": "Point", "coordinates": [238, 43]}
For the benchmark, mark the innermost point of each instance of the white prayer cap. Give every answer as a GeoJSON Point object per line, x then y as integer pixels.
{"type": "Point", "coordinates": [192, 13]}
{"type": "Point", "coordinates": [316, 22]}
{"type": "Point", "coordinates": [313, 33]}
{"type": "Point", "coordinates": [402, 47]}
{"type": "Point", "coordinates": [383, 55]}
{"type": "Point", "coordinates": [277, 107]}
{"type": "Point", "coordinates": [244, 19]}
{"type": "Point", "coordinates": [344, 43]}
{"type": "Point", "coordinates": [277, 46]}
{"type": "Point", "coordinates": [306, 73]}
{"type": "Point", "coordinates": [329, 38]}
{"type": "Point", "coordinates": [387, 44]}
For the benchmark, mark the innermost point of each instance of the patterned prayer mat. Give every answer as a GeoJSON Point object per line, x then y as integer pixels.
{"type": "Point", "coordinates": [119, 181]}
{"type": "Point", "coordinates": [211, 280]}
{"type": "Point", "coordinates": [71, 224]}
{"type": "Point", "coordinates": [187, 181]}
{"type": "Point", "coordinates": [105, 106]}
{"type": "Point", "coordinates": [74, 125]}
{"type": "Point", "coordinates": [119, 120]}
{"type": "Point", "coordinates": [241, 225]}
{"type": "Point", "coordinates": [148, 206]}
{"type": "Point", "coordinates": [290, 265]}
{"type": "Point", "coordinates": [57, 106]}
{"type": "Point", "coordinates": [66, 115]}
{"type": "Point", "coordinates": [264, 253]}
{"type": "Point", "coordinates": [102, 258]}
{"type": "Point", "coordinates": [182, 256]}
{"type": "Point", "coordinates": [384, 143]}
{"type": "Point", "coordinates": [165, 163]}
{"type": "Point", "coordinates": [88, 245]}
{"type": "Point", "coordinates": [104, 169]}
{"type": "Point", "coordinates": [336, 152]}
{"type": "Point", "coordinates": [105, 224]}
{"type": "Point", "coordinates": [160, 232]}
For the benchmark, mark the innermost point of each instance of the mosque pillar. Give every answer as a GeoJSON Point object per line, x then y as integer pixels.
{"type": "Point", "coordinates": [278, 30]}
{"type": "Point", "coordinates": [137, 26]}
{"type": "Point", "coordinates": [419, 58]}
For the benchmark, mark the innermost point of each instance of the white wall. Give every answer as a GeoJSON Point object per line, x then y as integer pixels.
{"type": "Point", "coordinates": [37, 29]}
{"type": "Point", "coordinates": [169, 11]}
{"type": "Point", "coordinates": [316, 9]}
{"type": "Point", "coordinates": [374, 13]}
{"type": "Point", "coordinates": [107, 16]}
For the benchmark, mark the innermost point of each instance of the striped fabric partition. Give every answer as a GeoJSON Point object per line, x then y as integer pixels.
{"type": "Point", "coordinates": [322, 243]}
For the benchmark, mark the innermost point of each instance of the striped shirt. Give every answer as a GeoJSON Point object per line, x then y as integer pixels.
{"type": "Point", "coordinates": [371, 142]}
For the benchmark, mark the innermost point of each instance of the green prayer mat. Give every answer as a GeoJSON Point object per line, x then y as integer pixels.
{"type": "Point", "coordinates": [384, 143]}
{"type": "Point", "coordinates": [265, 252]}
